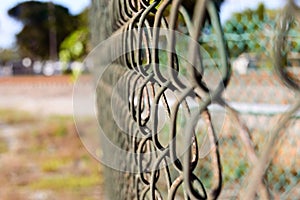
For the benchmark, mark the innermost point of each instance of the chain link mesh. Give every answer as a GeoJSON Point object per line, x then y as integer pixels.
{"type": "Point", "coordinates": [242, 137]}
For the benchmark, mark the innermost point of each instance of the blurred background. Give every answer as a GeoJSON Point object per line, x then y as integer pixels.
{"type": "Point", "coordinates": [42, 48]}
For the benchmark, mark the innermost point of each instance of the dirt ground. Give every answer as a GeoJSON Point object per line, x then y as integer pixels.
{"type": "Point", "coordinates": [38, 94]}
{"type": "Point", "coordinates": [52, 152]}
{"type": "Point", "coordinates": [41, 155]}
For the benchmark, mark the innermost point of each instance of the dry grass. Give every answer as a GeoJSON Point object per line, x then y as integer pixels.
{"type": "Point", "coordinates": [3, 146]}
{"type": "Point", "coordinates": [50, 161]}
{"type": "Point", "coordinates": [10, 116]}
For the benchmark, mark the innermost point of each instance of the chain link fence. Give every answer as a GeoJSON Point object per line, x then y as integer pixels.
{"type": "Point", "coordinates": [228, 132]}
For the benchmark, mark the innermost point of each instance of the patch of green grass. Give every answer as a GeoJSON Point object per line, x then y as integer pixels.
{"type": "Point", "coordinates": [60, 125]}
{"type": "Point", "coordinates": [10, 116]}
{"type": "Point", "coordinates": [66, 182]}
{"type": "Point", "coordinates": [51, 145]}
{"type": "Point", "coordinates": [54, 165]}
{"type": "Point", "coordinates": [61, 118]}
{"type": "Point", "coordinates": [60, 130]}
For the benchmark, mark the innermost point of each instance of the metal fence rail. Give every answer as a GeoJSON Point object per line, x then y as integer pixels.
{"type": "Point", "coordinates": [163, 90]}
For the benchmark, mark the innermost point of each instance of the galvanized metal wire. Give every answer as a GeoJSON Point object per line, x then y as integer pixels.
{"type": "Point", "coordinates": [146, 79]}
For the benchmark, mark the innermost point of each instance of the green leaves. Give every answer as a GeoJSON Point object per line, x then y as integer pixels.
{"type": "Point", "coordinates": [39, 19]}
{"type": "Point", "coordinates": [74, 47]}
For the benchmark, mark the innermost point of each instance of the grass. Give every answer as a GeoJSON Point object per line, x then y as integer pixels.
{"type": "Point", "coordinates": [10, 116]}
{"type": "Point", "coordinates": [51, 158]}
{"type": "Point", "coordinates": [3, 146]}
{"type": "Point", "coordinates": [60, 125]}
{"type": "Point", "coordinates": [54, 165]}
{"type": "Point", "coordinates": [68, 182]}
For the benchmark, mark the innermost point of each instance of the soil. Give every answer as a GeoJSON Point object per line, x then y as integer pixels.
{"type": "Point", "coordinates": [39, 94]}
{"type": "Point", "coordinates": [20, 164]}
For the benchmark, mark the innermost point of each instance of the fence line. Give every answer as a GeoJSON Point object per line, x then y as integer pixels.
{"type": "Point", "coordinates": [196, 153]}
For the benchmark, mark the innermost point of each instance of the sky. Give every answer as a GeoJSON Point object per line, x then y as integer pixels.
{"type": "Point", "coordinates": [9, 27]}
{"type": "Point", "coordinates": [232, 6]}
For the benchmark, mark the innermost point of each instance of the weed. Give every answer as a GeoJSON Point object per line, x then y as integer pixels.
{"type": "Point", "coordinates": [10, 116]}
{"type": "Point", "coordinates": [54, 165]}
{"type": "Point", "coordinates": [66, 182]}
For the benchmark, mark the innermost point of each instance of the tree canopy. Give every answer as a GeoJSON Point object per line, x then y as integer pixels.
{"type": "Point", "coordinates": [76, 45]}
{"type": "Point", "coordinates": [7, 55]}
{"type": "Point", "coordinates": [39, 20]}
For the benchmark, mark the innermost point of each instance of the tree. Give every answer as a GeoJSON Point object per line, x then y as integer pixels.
{"type": "Point", "coordinates": [75, 47]}
{"type": "Point", "coordinates": [34, 39]}
{"type": "Point", "coordinates": [7, 55]}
